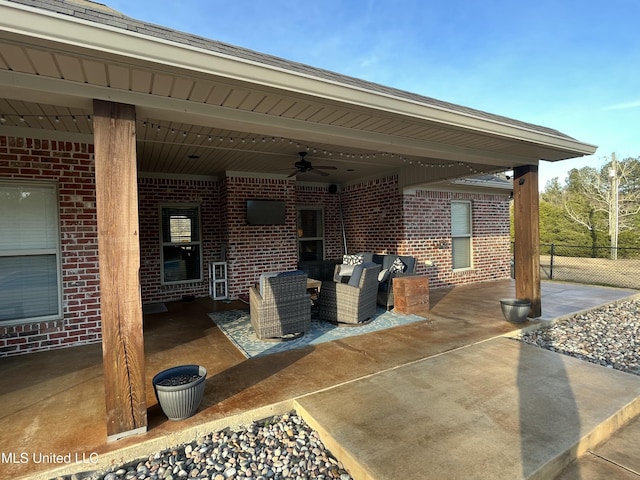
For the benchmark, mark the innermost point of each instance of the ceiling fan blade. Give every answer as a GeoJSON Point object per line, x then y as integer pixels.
{"type": "Point", "coordinates": [292, 174]}
{"type": "Point", "coordinates": [327, 168]}
{"type": "Point", "coordinates": [319, 172]}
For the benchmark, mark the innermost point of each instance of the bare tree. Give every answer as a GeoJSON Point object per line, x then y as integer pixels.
{"type": "Point", "coordinates": [604, 201]}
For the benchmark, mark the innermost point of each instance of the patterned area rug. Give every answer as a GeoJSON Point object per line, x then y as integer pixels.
{"type": "Point", "coordinates": [236, 325]}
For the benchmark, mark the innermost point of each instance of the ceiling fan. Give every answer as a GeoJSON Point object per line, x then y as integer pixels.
{"type": "Point", "coordinates": [304, 166]}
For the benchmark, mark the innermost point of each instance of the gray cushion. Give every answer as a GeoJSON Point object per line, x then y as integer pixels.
{"type": "Point", "coordinates": [354, 281]}
{"type": "Point", "coordinates": [366, 257]}
{"type": "Point", "coordinates": [410, 262]}
{"type": "Point", "coordinates": [291, 273]}
{"type": "Point", "coordinates": [346, 270]}
{"type": "Point", "coordinates": [263, 280]}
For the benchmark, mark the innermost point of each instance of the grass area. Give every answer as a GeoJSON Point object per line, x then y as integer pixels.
{"type": "Point", "coordinates": [623, 273]}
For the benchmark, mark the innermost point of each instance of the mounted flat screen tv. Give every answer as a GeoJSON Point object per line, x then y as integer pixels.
{"type": "Point", "coordinates": [265, 212]}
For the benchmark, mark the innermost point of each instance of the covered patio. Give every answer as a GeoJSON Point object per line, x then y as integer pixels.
{"type": "Point", "coordinates": [113, 116]}
{"type": "Point", "coordinates": [51, 400]}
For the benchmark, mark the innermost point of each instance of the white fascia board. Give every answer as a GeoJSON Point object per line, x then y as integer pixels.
{"type": "Point", "coordinates": [57, 28]}
{"type": "Point", "coordinates": [267, 176]}
{"type": "Point", "coordinates": [449, 188]}
{"type": "Point", "coordinates": [42, 134]}
{"type": "Point", "coordinates": [27, 87]}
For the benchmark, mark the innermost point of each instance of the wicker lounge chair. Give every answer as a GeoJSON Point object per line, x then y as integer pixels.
{"type": "Point", "coordinates": [280, 306]}
{"type": "Point", "coordinates": [353, 302]}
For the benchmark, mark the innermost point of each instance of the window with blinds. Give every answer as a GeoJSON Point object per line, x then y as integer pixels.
{"type": "Point", "coordinates": [461, 235]}
{"type": "Point", "coordinates": [30, 272]}
{"type": "Point", "coordinates": [181, 244]}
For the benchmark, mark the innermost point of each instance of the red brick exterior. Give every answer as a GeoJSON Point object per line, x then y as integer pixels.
{"type": "Point", "coordinates": [254, 249]}
{"type": "Point", "coordinates": [427, 236]}
{"type": "Point", "coordinates": [71, 166]}
{"type": "Point", "coordinates": [382, 220]}
{"type": "Point", "coordinates": [153, 193]}
{"type": "Point", "coordinates": [377, 218]}
{"type": "Point", "coordinates": [320, 196]}
{"type": "Point", "coordinates": [373, 216]}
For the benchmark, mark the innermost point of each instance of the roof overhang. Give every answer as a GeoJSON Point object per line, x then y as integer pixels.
{"type": "Point", "coordinates": [54, 65]}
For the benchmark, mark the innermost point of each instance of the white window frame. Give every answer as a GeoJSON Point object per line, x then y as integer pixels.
{"type": "Point", "coordinates": [320, 209]}
{"type": "Point", "coordinates": [55, 250]}
{"type": "Point", "coordinates": [456, 235]}
{"type": "Point", "coordinates": [184, 206]}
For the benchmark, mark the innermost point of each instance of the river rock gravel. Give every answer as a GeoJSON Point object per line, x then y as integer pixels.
{"type": "Point", "coordinates": [282, 447]}
{"type": "Point", "coordinates": [608, 336]}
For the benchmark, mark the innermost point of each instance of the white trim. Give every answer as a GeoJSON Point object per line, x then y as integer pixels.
{"type": "Point", "coordinates": [168, 176]}
{"type": "Point", "coordinates": [469, 235]}
{"type": "Point", "coordinates": [57, 251]}
{"type": "Point", "coordinates": [33, 88]}
{"type": "Point", "coordinates": [78, 33]}
{"type": "Point", "coordinates": [41, 134]}
{"type": "Point", "coordinates": [477, 190]}
{"type": "Point", "coordinates": [269, 176]}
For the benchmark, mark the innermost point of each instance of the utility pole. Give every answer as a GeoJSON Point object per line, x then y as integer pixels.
{"type": "Point", "coordinates": [613, 207]}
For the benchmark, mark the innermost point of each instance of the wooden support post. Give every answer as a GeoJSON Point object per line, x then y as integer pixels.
{"type": "Point", "coordinates": [527, 236]}
{"type": "Point", "coordinates": [119, 256]}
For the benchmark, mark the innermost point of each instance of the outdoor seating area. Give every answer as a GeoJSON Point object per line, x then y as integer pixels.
{"type": "Point", "coordinates": [391, 266]}
{"type": "Point", "coordinates": [281, 302]}
{"type": "Point", "coordinates": [39, 390]}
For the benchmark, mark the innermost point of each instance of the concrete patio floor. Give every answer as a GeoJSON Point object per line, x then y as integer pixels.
{"type": "Point", "coordinates": [446, 397]}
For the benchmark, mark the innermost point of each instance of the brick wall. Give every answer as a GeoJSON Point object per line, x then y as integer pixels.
{"type": "Point", "coordinates": [152, 194]}
{"type": "Point", "coordinates": [319, 196]}
{"type": "Point", "coordinates": [378, 218]}
{"type": "Point", "coordinates": [70, 165]}
{"type": "Point", "coordinates": [427, 229]}
{"type": "Point", "coordinates": [255, 249]}
{"type": "Point", "coordinates": [373, 216]}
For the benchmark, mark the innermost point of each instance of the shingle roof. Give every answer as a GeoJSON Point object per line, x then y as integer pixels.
{"type": "Point", "coordinates": [102, 14]}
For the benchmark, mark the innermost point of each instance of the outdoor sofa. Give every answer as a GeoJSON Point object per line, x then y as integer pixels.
{"type": "Point", "coordinates": [391, 266]}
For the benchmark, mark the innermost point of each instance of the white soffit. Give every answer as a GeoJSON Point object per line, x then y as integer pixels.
{"type": "Point", "coordinates": [108, 43]}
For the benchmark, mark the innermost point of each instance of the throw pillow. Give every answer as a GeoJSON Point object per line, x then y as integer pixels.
{"type": "Point", "coordinates": [346, 270]}
{"type": "Point", "coordinates": [383, 276]}
{"type": "Point", "coordinates": [356, 259]}
{"type": "Point", "coordinates": [398, 266]}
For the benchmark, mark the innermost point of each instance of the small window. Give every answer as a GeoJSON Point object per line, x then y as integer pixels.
{"type": "Point", "coordinates": [181, 244]}
{"type": "Point", "coordinates": [30, 272]}
{"type": "Point", "coordinates": [310, 233]}
{"type": "Point", "coordinates": [461, 253]}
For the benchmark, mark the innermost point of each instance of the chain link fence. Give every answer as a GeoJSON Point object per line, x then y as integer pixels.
{"type": "Point", "coordinates": [619, 267]}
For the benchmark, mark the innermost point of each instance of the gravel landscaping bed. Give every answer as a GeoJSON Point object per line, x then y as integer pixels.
{"type": "Point", "coordinates": [608, 336]}
{"type": "Point", "coordinates": [282, 447]}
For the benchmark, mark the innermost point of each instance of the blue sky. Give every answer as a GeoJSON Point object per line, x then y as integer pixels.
{"type": "Point", "coordinates": [566, 64]}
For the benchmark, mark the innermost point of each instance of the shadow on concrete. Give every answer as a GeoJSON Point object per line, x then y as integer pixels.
{"type": "Point", "coordinates": [549, 414]}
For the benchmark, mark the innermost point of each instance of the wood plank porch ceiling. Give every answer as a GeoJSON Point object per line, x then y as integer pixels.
{"type": "Point", "coordinates": [206, 115]}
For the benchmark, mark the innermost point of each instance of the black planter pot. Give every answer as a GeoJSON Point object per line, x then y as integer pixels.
{"type": "Point", "coordinates": [180, 399]}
